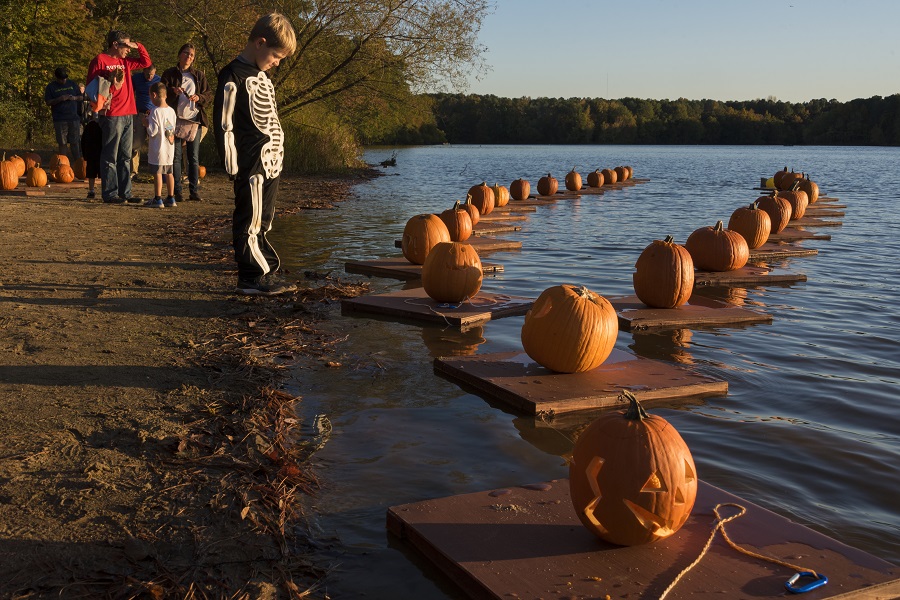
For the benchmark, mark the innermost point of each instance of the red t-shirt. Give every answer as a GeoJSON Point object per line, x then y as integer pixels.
{"type": "Point", "coordinates": [122, 103]}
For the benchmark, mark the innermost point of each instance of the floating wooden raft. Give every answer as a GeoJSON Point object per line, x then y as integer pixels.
{"type": "Point", "coordinates": [771, 250]}
{"type": "Point", "coordinates": [483, 228]}
{"type": "Point", "coordinates": [483, 244]}
{"type": "Point", "coordinates": [515, 206]}
{"type": "Point", "coordinates": [494, 217]}
{"type": "Point", "coordinates": [797, 235]}
{"type": "Point", "coordinates": [399, 268]}
{"type": "Point", "coordinates": [635, 315]}
{"type": "Point", "coordinates": [414, 304]}
{"type": "Point", "coordinates": [748, 274]}
{"type": "Point", "coordinates": [24, 192]}
{"type": "Point", "coordinates": [817, 210]}
{"type": "Point", "coordinates": [805, 221]}
{"type": "Point", "coordinates": [527, 542]}
{"type": "Point", "coordinates": [520, 383]}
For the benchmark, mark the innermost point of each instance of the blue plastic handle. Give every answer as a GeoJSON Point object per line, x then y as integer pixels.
{"type": "Point", "coordinates": [818, 581]}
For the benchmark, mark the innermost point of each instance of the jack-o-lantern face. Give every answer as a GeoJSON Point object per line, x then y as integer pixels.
{"type": "Point", "coordinates": [632, 478]}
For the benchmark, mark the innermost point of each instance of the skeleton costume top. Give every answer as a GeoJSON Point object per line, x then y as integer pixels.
{"type": "Point", "coordinates": [249, 137]}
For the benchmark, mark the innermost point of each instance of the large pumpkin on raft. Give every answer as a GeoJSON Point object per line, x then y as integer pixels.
{"type": "Point", "coordinates": [609, 176]}
{"type": "Point", "coordinates": [752, 223]}
{"type": "Point", "coordinates": [458, 222]}
{"type": "Point", "coordinates": [595, 178]}
{"type": "Point", "coordinates": [664, 275]}
{"type": "Point", "coordinates": [632, 478]}
{"type": "Point", "coordinates": [573, 180]}
{"type": "Point", "coordinates": [452, 272]}
{"type": "Point", "coordinates": [798, 200]}
{"type": "Point", "coordinates": [420, 235]}
{"type": "Point", "coordinates": [519, 189]}
{"type": "Point", "coordinates": [717, 249]}
{"type": "Point", "coordinates": [482, 197]}
{"type": "Point", "coordinates": [501, 195]}
{"type": "Point", "coordinates": [778, 209]}
{"type": "Point", "coordinates": [570, 329]}
{"type": "Point", "coordinates": [547, 185]}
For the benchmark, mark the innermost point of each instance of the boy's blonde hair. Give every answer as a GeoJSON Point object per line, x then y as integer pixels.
{"type": "Point", "coordinates": [159, 88]}
{"type": "Point", "coordinates": [277, 31]}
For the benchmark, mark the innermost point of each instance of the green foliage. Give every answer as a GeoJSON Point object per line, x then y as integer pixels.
{"type": "Point", "coordinates": [488, 119]}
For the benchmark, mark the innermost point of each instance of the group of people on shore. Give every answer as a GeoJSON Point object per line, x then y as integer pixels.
{"type": "Point", "coordinates": [168, 111]}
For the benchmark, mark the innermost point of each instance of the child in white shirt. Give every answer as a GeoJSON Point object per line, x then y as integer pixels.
{"type": "Point", "coordinates": [161, 146]}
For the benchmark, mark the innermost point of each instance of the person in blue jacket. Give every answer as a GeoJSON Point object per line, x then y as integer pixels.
{"type": "Point", "coordinates": [141, 81]}
{"type": "Point", "coordinates": [64, 96]}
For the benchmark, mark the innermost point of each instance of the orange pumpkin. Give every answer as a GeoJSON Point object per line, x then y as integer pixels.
{"type": "Point", "coordinates": [664, 276]}
{"type": "Point", "coordinates": [717, 249]}
{"type": "Point", "coordinates": [501, 195]}
{"type": "Point", "coordinates": [420, 235]}
{"type": "Point", "coordinates": [474, 213]}
{"type": "Point", "coordinates": [458, 223]}
{"type": "Point", "coordinates": [752, 223]}
{"type": "Point", "coordinates": [629, 172]}
{"type": "Point", "coordinates": [57, 160]}
{"type": "Point", "coordinates": [63, 174]}
{"type": "Point", "coordinates": [810, 187]}
{"type": "Point", "coordinates": [36, 177]}
{"type": "Point", "coordinates": [452, 272]}
{"type": "Point", "coordinates": [9, 174]}
{"type": "Point", "coordinates": [798, 201]}
{"type": "Point", "coordinates": [31, 160]}
{"type": "Point", "coordinates": [632, 477]}
{"type": "Point", "coordinates": [573, 180]}
{"type": "Point", "coordinates": [621, 174]}
{"type": "Point", "coordinates": [595, 178]}
{"type": "Point", "coordinates": [547, 185]}
{"type": "Point", "coordinates": [570, 329]}
{"type": "Point", "coordinates": [519, 189]}
{"type": "Point", "coordinates": [776, 178]}
{"type": "Point", "coordinates": [201, 171]}
{"type": "Point", "coordinates": [482, 198]}
{"type": "Point", "coordinates": [19, 162]}
{"type": "Point", "coordinates": [609, 176]}
{"type": "Point", "coordinates": [80, 168]}
{"type": "Point", "coordinates": [778, 209]}
{"type": "Point", "coordinates": [788, 180]}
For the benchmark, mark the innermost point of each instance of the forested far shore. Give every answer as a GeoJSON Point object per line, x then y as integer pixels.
{"type": "Point", "coordinates": [488, 119]}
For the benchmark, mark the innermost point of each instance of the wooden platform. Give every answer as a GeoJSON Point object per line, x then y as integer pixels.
{"type": "Point", "coordinates": [494, 217]}
{"type": "Point", "coordinates": [817, 210]}
{"type": "Point", "coordinates": [527, 542]}
{"type": "Point", "coordinates": [515, 380]}
{"type": "Point", "coordinates": [805, 221]}
{"type": "Point", "coordinates": [634, 315]}
{"type": "Point", "coordinates": [24, 192]}
{"type": "Point", "coordinates": [414, 304]}
{"type": "Point", "coordinates": [489, 227]}
{"type": "Point", "coordinates": [797, 235]}
{"type": "Point", "coordinates": [399, 268]}
{"type": "Point", "coordinates": [748, 274]}
{"type": "Point", "coordinates": [771, 250]}
{"type": "Point", "coordinates": [483, 244]}
{"type": "Point", "coordinates": [514, 206]}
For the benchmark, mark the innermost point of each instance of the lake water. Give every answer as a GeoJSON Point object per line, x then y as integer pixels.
{"type": "Point", "coordinates": [809, 427]}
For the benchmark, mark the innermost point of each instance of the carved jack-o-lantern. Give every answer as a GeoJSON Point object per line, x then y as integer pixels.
{"type": "Point", "coordinates": [632, 477]}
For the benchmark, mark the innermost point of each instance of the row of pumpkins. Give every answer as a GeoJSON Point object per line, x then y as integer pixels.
{"type": "Point", "coordinates": [632, 477]}
{"type": "Point", "coordinates": [61, 170]}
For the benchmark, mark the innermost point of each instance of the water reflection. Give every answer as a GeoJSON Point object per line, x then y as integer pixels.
{"type": "Point", "coordinates": [670, 345]}
{"type": "Point", "coordinates": [451, 341]}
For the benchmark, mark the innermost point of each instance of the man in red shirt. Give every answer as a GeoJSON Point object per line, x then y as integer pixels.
{"type": "Point", "coordinates": [116, 121]}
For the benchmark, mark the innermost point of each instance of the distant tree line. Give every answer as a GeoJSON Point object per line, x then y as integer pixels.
{"type": "Point", "coordinates": [475, 119]}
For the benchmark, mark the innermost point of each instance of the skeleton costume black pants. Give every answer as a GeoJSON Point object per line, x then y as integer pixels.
{"type": "Point", "coordinates": [254, 209]}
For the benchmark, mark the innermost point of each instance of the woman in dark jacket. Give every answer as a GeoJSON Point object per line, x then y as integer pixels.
{"type": "Point", "coordinates": [187, 93]}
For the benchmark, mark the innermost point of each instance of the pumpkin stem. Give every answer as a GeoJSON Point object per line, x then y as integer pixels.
{"type": "Point", "coordinates": [635, 411]}
{"type": "Point", "coordinates": [468, 198]}
{"type": "Point", "coordinates": [456, 205]}
{"type": "Point", "coordinates": [719, 226]}
{"type": "Point", "coordinates": [795, 186]}
{"type": "Point", "coordinates": [754, 206]}
{"type": "Point", "coordinates": [669, 239]}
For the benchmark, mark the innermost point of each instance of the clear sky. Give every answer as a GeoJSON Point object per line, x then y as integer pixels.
{"type": "Point", "coordinates": [794, 50]}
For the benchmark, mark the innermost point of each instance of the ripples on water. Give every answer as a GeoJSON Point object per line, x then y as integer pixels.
{"type": "Point", "coordinates": [808, 429]}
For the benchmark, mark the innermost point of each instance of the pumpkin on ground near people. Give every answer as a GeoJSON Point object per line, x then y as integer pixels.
{"type": "Point", "coordinates": [547, 185]}
{"type": "Point", "coordinates": [811, 188]}
{"type": "Point", "coordinates": [778, 209]}
{"type": "Point", "coordinates": [519, 189]}
{"type": "Point", "coordinates": [473, 211]}
{"type": "Point", "coordinates": [609, 176]}
{"type": "Point", "coordinates": [452, 272]}
{"type": "Point", "coordinates": [664, 275]}
{"type": "Point", "coordinates": [201, 171]}
{"type": "Point", "coordinates": [717, 249]}
{"type": "Point", "coordinates": [788, 180]}
{"type": "Point", "coordinates": [752, 223]}
{"type": "Point", "coordinates": [63, 174]}
{"type": "Point", "coordinates": [573, 180]}
{"type": "Point", "coordinates": [421, 234]}
{"type": "Point", "coordinates": [36, 177]}
{"type": "Point", "coordinates": [458, 222]}
{"type": "Point", "coordinates": [9, 174]}
{"type": "Point", "coordinates": [79, 166]}
{"type": "Point", "coordinates": [32, 159]}
{"type": "Point", "coordinates": [570, 329]}
{"type": "Point", "coordinates": [595, 178]}
{"type": "Point", "coordinates": [57, 160]}
{"type": "Point", "coordinates": [632, 477]}
{"type": "Point", "coordinates": [19, 162]}
{"type": "Point", "coordinates": [501, 195]}
{"type": "Point", "coordinates": [621, 174]}
{"type": "Point", "coordinates": [798, 201]}
{"type": "Point", "coordinates": [776, 178]}
{"type": "Point", "coordinates": [482, 198]}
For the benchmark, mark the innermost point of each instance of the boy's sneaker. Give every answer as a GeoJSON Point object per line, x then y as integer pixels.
{"type": "Point", "coordinates": [170, 202]}
{"type": "Point", "coordinates": [264, 286]}
{"type": "Point", "coordinates": [154, 203]}
{"type": "Point", "coordinates": [91, 195]}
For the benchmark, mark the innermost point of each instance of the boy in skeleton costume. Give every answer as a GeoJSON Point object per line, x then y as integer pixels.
{"type": "Point", "coordinates": [251, 145]}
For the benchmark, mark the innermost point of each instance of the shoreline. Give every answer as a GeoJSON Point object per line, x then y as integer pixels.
{"type": "Point", "coordinates": [147, 448]}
